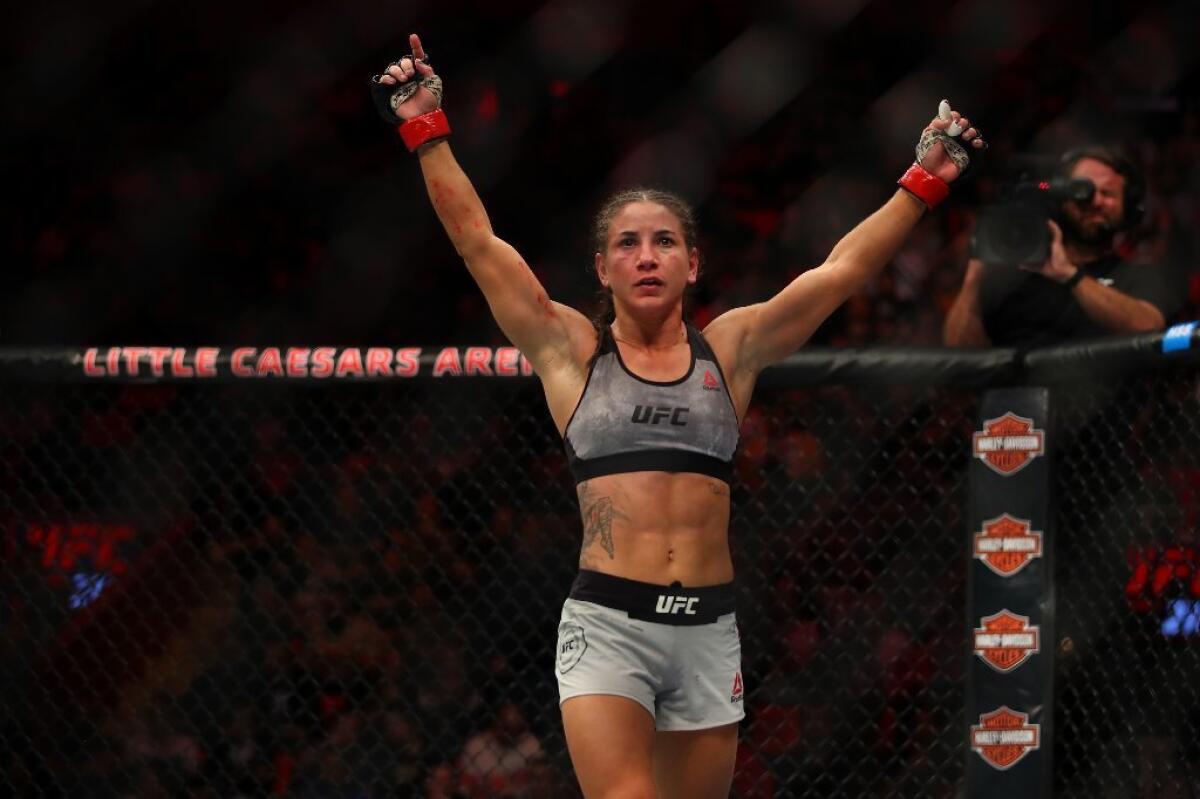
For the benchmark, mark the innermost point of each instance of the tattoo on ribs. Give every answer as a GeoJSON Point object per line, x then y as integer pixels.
{"type": "Point", "coordinates": [597, 523]}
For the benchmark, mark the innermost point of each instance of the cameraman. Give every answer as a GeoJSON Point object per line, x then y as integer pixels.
{"type": "Point", "coordinates": [1084, 289]}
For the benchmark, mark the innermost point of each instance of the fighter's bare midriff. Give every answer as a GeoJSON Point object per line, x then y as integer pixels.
{"type": "Point", "coordinates": [656, 527]}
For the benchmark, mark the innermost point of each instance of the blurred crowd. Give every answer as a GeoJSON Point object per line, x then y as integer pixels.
{"type": "Point", "coordinates": [364, 597]}
{"type": "Point", "coordinates": [279, 209]}
{"type": "Point", "coordinates": [360, 593]}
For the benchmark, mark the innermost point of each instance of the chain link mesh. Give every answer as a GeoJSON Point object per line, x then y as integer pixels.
{"type": "Point", "coordinates": [353, 590]}
{"type": "Point", "coordinates": [1128, 681]}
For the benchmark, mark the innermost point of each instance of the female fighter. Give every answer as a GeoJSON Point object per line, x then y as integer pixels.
{"type": "Point", "coordinates": [648, 659]}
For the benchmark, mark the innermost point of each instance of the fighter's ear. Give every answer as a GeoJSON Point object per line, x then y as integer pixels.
{"type": "Point", "coordinates": [601, 270]}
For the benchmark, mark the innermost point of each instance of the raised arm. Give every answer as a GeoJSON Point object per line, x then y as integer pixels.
{"type": "Point", "coordinates": [770, 331]}
{"type": "Point", "coordinates": [545, 331]}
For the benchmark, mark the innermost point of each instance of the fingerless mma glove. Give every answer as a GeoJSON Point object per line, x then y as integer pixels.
{"type": "Point", "coordinates": [926, 187]}
{"type": "Point", "coordinates": [418, 130]}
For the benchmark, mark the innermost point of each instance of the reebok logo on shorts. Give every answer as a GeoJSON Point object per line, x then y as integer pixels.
{"type": "Point", "coordinates": [735, 695]}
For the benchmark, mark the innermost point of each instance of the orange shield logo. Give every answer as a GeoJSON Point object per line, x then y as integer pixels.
{"type": "Point", "coordinates": [1005, 640]}
{"type": "Point", "coordinates": [1004, 736]}
{"type": "Point", "coordinates": [1006, 544]}
{"type": "Point", "coordinates": [1008, 444]}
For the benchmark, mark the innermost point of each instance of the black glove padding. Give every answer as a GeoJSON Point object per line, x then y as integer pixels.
{"type": "Point", "coordinates": [388, 96]}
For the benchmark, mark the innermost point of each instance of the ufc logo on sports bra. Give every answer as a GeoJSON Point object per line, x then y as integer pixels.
{"type": "Point", "coordinates": [649, 414]}
{"type": "Point", "coordinates": [674, 604]}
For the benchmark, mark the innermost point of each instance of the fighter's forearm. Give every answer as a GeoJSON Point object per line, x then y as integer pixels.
{"type": "Point", "coordinates": [454, 198]}
{"type": "Point", "coordinates": [864, 251]}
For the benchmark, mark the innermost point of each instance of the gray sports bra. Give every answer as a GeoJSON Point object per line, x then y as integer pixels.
{"type": "Point", "coordinates": [626, 424]}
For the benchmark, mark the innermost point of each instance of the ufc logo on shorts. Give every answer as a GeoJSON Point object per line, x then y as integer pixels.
{"type": "Point", "coordinates": [674, 604]}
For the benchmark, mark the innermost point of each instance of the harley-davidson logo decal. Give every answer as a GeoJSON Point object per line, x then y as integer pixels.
{"type": "Point", "coordinates": [1005, 640]}
{"type": "Point", "coordinates": [1008, 444]}
{"type": "Point", "coordinates": [1006, 544]}
{"type": "Point", "coordinates": [1004, 736]}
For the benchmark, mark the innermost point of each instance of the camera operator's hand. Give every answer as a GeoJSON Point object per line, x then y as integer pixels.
{"type": "Point", "coordinates": [943, 148]}
{"type": "Point", "coordinates": [1057, 267]}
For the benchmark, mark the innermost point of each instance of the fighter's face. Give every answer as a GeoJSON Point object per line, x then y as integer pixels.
{"type": "Point", "coordinates": [646, 261]}
{"type": "Point", "coordinates": [1098, 220]}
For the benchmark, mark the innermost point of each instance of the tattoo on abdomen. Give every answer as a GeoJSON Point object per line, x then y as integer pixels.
{"type": "Point", "coordinates": [597, 522]}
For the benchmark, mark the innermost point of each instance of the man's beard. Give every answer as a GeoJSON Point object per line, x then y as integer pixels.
{"type": "Point", "coordinates": [1096, 234]}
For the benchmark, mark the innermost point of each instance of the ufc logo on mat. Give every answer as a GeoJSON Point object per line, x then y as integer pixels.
{"type": "Point", "coordinates": [674, 604]}
{"type": "Point", "coordinates": [647, 414]}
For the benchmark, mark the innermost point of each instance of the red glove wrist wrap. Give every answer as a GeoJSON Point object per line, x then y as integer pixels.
{"type": "Point", "coordinates": [927, 188]}
{"type": "Point", "coordinates": [426, 127]}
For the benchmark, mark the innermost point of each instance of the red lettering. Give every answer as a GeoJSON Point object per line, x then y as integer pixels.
{"type": "Point", "coordinates": [477, 360]}
{"type": "Point", "coordinates": [506, 361]}
{"type": "Point", "coordinates": [114, 535]}
{"type": "Point", "coordinates": [62, 549]}
{"type": "Point", "coordinates": [1153, 572]}
{"type": "Point", "coordinates": [102, 558]}
{"type": "Point", "coordinates": [350, 363]}
{"type": "Point", "coordinates": [526, 366]}
{"type": "Point", "coordinates": [178, 367]}
{"type": "Point", "coordinates": [133, 356]}
{"type": "Point", "coordinates": [269, 363]}
{"type": "Point", "coordinates": [447, 362]}
{"type": "Point", "coordinates": [90, 369]}
{"type": "Point", "coordinates": [297, 362]}
{"type": "Point", "coordinates": [1136, 585]}
{"type": "Point", "coordinates": [237, 362]}
{"type": "Point", "coordinates": [82, 539]}
{"type": "Point", "coordinates": [49, 538]}
{"type": "Point", "coordinates": [379, 362]}
{"type": "Point", "coordinates": [114, 360]}
{"type": "Point", "coordinates": [408, 361]}
{"type": "Point", "coordinates": [322, 360]}
{"type": "Point", "coordinates": [206, 361]}
{"type": "Point", "coordinates": [72, 550]}
{"type": "Point", "coordinates": [158, 356]}
{"type": "Point", "coordinates": [1163, 574]}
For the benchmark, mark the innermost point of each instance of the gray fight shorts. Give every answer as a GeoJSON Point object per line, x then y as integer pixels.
{"type": "Point", "coordinates": [673, 650]}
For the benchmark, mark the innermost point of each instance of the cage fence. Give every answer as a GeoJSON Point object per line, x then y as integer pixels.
{"type": "Point", "coordinates": [352, 588]}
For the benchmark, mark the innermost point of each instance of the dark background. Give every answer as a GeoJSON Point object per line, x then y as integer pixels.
{"type": "Point", "coordinates": [215, 174]}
